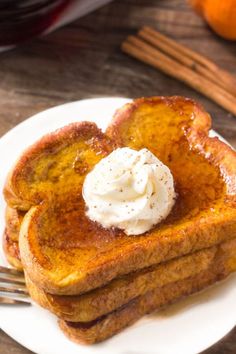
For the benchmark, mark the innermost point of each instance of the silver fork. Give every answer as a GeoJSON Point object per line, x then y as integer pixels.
{"type": "Point", "coordinates": [13, 290]}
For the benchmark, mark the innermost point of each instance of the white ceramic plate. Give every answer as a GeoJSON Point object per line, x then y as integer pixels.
{"type": "Point", "coordinates": [187, 327]}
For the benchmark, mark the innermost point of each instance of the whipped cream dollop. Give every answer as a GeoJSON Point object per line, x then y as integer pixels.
{"type": "Point", "coordinates": [131, 190]}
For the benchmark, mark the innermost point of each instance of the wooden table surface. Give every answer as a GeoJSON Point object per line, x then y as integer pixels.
{"type": "Point", "coordinates": [84, 60]}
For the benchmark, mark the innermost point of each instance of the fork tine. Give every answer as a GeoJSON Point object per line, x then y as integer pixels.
{"type": "Point", "coordinates": [21, 291]}
{"type": "Point", "coordinates": [12, 280]}
{"type": "Point", "coordinates": [7, 270]}
{"type": "Point", "coordinates": [11, 276]}
{"type": "Point", "coordinates": [12, 301]}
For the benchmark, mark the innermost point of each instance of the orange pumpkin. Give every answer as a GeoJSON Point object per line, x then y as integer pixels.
{"type": "Point", "coordinates": [220, 15]}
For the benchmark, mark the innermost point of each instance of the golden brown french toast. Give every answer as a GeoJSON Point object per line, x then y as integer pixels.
{"type": "Point", "coordinates": [55, 165]}
{"type": "Point", "coordinates": [11, 251]}
{"type": "Point", "coordinates": [109, 325]}
{"type": "Point", "coordinates": [66, 253]}
{"type": "Point", "coordinates": [170, 281]}
{"type": "Point", "coordinates": [89, 306]}
{"type": "Point", "coordinates": [13, 220]}
{"type": "Point", "coordinates": [96, 303]}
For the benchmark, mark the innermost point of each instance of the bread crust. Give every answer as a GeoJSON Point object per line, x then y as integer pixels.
{"type": "Point", "coordinates": [13, 220]}
{"type": "Point", "coordinates": [154, 300]}
{"type": "Point", "coordinates": [11, 251]}
{"type": "Point", "coordinates": [14, 194]}
{"type": "Point", "coordinates": [214, 150]}
{"type": "Point", "coordinates": [96, 303]}
{"type": "Point", "coordinates": [110, 324]}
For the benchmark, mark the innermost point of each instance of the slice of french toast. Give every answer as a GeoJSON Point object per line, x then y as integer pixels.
{"type": "Point", "coordinates": [64, 252]}
{"type": "Point", "coordinates": [13, 220]}
{"type": "Point", "coordinates": [110, 324]}
{"type": "Point", "coordinates": [55, 165]}
{"type": "Point", "coordinates": [10, 238]}
{"type": "Point", "coordinates": [11, 251]}
{"type": "Point", "coordinates": [96, 303]}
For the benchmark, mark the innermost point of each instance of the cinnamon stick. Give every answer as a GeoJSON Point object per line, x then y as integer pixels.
{"type": "Point", "coordinates": [143, 51]}
{"type": "Point", "coordinates": [190, 58]}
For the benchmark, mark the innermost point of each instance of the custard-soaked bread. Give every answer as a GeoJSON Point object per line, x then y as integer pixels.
{"type": "Point", "coordinates": [222, 264]}
{"type": "Point", "coordinates": [89, 306]}
{"type": "Point", "coordinates": [13, 220]}
{"type": "Point", "coordinates": [55, 165]}
{"type": "Point", "coordinates": [66, 253]}
{"type": "Point", "coordinates": [111, 324]}
{"type": "Point", "coordinates": [96, 303]}
{"type": "Point", "coordinates": [11, 251]}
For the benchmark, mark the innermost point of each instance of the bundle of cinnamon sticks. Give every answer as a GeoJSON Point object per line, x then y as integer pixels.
{"type": "Point", "coordinates": [184, 64]}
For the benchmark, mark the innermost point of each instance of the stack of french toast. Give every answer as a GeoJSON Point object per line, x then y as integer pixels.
{"type": "Point", "coordinates": [99, 280]}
